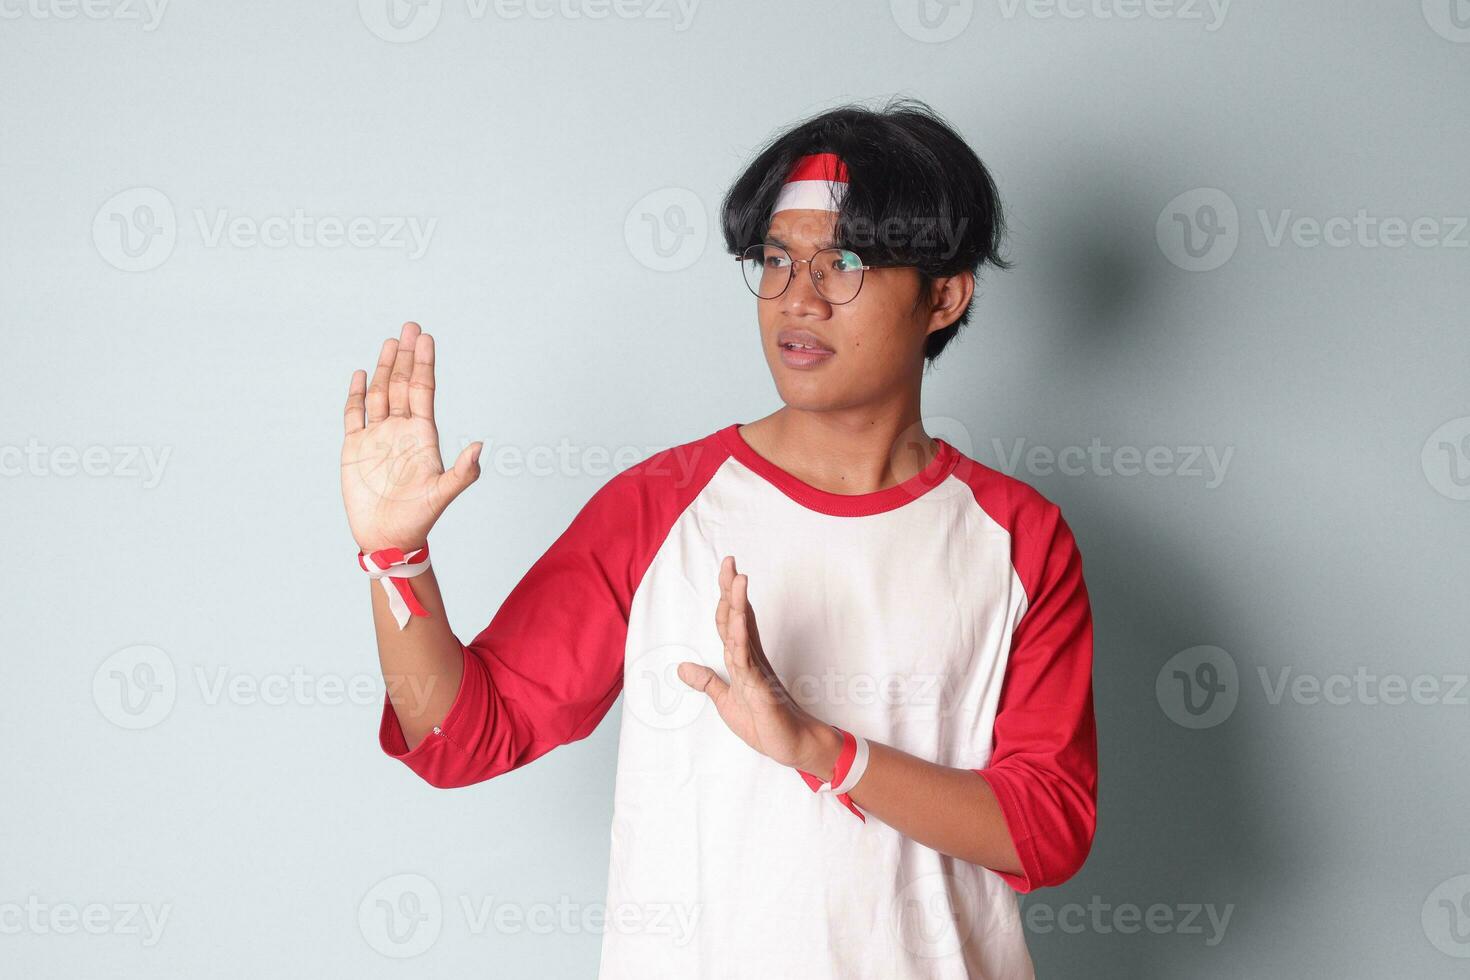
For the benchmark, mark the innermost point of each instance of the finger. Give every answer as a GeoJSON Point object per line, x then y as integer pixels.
{"type": "Point", "coordinates": [727, 636]}
{"type": "Point", "coordinates": [356, 393]}
{"type": "Point", "coordinates": [751, 624]}
{"type": "Point", "coordinates": [748, 610]}
{"type": "Point", "coordinates": [739, 643]}
{"type": "Point", "coordinates": [722, 616]}
{"type": "Point", "coordinates": [750, 659]}
{"type": "Point", "coordinates": [722, 608]}
{"type": "Point", "coordinates": [402, 371]}
{"type": "Point", "coordinates": [421, 381]}
{"type": "Point", "coordinates": [377, 393]}
{"type": "Point", "coordinates": [752, 628]}
{"type": "Point", "coordinates": [734, 611]}
{"type": "Point", "coordinates": [727, 576]}
{"type": "Point", "coordinates": [701, 678]}
{"type": "Point", "coordinates": [453, 481]}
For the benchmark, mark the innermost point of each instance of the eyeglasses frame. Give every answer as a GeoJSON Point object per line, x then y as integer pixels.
{"type": "Point", "coordinates": [791, 277]}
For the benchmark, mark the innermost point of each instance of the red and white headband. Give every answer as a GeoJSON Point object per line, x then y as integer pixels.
{"type": "Point", "coordinates": [818, 182]}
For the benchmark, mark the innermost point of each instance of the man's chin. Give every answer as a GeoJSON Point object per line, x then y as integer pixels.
{"type": "Point", "coordinates": [811, 395]}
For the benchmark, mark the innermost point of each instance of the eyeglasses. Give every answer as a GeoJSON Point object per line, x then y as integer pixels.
{"type": "Point", "coordinates": [837, 273]}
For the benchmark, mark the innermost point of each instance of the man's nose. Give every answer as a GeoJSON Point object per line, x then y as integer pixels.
{"type": "Point", "coordinates": [801, 297]}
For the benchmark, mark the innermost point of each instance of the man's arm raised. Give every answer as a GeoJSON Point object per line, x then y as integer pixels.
{"type": "Point", "coordinates": [394, 486]}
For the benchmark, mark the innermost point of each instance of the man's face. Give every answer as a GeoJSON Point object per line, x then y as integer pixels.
{"type": "Point", "coordinates": [870, 348]}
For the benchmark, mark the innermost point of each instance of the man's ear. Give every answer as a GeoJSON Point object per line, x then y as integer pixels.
{"type": "Point", "coordinates": [949, 297]}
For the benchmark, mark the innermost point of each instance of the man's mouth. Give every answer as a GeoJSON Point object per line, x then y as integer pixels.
{"type": "Point", "coordinates": [802, 349]}
{"type": "Point", "coordinates": [802, 340]}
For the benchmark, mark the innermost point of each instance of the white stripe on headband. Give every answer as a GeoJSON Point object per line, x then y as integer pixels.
{"type": "Point", "coordinates": [817, 182]}
{"type": "Point", "coordinates": [813, 195]}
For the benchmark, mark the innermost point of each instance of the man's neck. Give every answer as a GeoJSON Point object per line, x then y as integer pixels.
{"type": "Point", "coordinates": [843, 452]}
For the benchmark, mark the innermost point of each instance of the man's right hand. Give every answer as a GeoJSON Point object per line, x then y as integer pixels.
{"type": "Point", "coordinates": [393, 479]}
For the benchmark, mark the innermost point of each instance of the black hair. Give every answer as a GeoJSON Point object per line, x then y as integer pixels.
{"type": "Point", "coordinates": [917, 194]}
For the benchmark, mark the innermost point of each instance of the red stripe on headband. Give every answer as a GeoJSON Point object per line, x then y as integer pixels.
{"type": "Point", "coordinates": [819, 166]}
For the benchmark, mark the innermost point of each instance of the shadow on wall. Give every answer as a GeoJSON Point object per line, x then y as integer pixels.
{"type": "Point", "coordinates": [1181, 838]}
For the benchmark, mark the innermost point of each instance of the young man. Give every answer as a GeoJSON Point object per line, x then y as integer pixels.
{"type": "Point", "coordinates": [826, 599]}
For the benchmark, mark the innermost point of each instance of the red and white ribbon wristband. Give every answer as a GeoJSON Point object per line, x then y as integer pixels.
{"type": "Point", "coordinates": [852, 762]}
{"type": "Point", "coordinates": [393, 568]}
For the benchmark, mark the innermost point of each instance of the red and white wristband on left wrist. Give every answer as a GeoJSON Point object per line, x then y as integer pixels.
{"type": "Point", "coordinates": [393, 568]}
{"type": "Point", "coordinates": [852, 762]}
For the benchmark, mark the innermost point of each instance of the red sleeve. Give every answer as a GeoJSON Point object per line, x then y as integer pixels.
{"type": "Point", "coordinates": [549, 665]}
{"type": "Point", "coordinates": [1043, 767]}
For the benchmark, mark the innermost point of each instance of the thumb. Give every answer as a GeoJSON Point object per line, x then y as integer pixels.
{"type": "Point", "coordinates": [466, 470]}
{"type": "Point", "coordinates": [701, 678]}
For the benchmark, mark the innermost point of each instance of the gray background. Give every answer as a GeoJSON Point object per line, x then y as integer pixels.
{"type": "Point", "coordinates": [263, 819]}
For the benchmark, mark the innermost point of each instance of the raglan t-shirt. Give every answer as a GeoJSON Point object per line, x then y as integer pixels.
{"type": "Point", "coordinates": [945, 616]}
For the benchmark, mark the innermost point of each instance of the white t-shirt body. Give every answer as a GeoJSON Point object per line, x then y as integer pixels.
{"type": "Point", "coordinates": [945, 617]}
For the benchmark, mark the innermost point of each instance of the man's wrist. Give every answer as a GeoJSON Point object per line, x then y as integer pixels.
{"type": "Point", "coordinates": [406, 548]}
{"type": "Point", "coordinates": [823, 746]}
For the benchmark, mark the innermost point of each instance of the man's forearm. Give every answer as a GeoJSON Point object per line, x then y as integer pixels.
{"type": "Point", "coordinates": [421, 663]}
{"type": "Point", "coordinates": [953, 811]}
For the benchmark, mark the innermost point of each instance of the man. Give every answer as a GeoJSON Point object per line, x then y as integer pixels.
{"type": "Point", "coordinates": [856, 664]}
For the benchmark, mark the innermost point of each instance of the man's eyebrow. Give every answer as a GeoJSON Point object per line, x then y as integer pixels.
{"type": "Point", "coordinates": [772, 239]}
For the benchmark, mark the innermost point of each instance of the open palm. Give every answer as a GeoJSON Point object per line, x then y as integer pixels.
{"type": "Point", "coordinates": [394, 484]}
{"type": "Point", "coordinates": [754, 704]}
